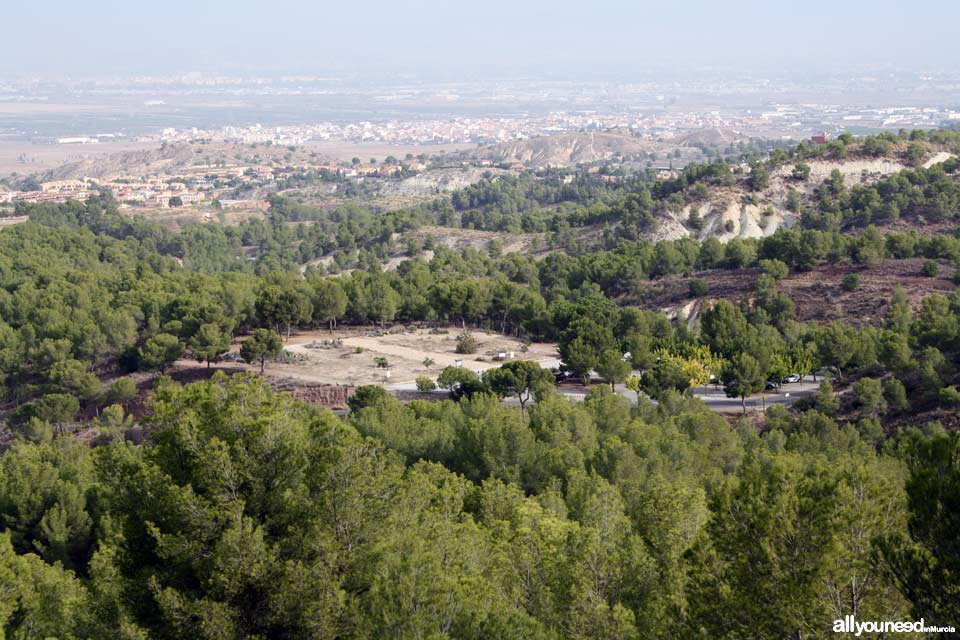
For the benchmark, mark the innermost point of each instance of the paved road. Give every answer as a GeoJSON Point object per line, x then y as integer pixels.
{"type": "Point", "coordinates": [712, 396]}
{"type": "Point", "coordinates": [717, 400]}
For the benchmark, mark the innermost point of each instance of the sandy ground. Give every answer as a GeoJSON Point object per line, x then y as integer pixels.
{"type": "Point", "coordinates": [405, 353]}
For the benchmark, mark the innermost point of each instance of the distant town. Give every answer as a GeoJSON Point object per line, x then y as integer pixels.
{"type": "Point", "coordinates": [786, 121]}
{"type": "Point", "coordinates": [689, 118]}
{"type": "Point", "coordinates": [295, 109]}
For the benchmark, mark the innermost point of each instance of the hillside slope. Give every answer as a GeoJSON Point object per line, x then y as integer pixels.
{"type": "Point", "coordinates": [572, 149]}
{"type": "Point", "coordinates": [169, 158]}
{"type": "Point", "coordinates": [735, 212]}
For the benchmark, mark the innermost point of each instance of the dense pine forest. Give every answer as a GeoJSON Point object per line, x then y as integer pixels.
{"type": "Point", "coordinates": [243, 513]}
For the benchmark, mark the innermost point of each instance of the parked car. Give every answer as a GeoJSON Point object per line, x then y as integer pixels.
{"type": "Point", "coordinates": [793, 377]}
{"type": "Point", "coordinates": [772, 386]}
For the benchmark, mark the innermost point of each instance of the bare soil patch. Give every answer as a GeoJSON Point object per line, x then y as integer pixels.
{"type": "Point", "coordinates": [352, 360]}
{"type": "Point", "coordinates": [459, 239]}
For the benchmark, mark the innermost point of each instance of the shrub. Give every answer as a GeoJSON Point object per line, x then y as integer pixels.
{"type": "Point", "coordinates": [381, 362]}
{"type": "Point", "coordinates": [699, 288]}
{"type": "Point", "coordinates": [896, 395]}
{"type": "Point", "coordinates": [35, 430]}
{"type": "Point", "coordinates": [366, 396]}
{"type": "Point", "coordinates": [776, 269]}
{"type": "Point", "coordinates": [851, 282]}
{"type": "Point", "coordinates": [794, 201]}
{"type": "Point", "coordinates": [695, 222]}
{"type": "Point", "coordinates": [759, 177]}
{"type": "Point", "coordinates": [868, 395]}
{"type": "Point", "coordinates": [826, 401]}
{"type": "Point", "coordinates": [425, 384]}
{"type": "Point", "coordinates": [122, 390]}
{"type": "Point", "coordinates": [949, 397]}
{"type": "Point", "coordinates": [466, 343]}
{"type": "Point", "coordinates": [930, 269]}
{"type": "Point", "coordinates": [871, 431]}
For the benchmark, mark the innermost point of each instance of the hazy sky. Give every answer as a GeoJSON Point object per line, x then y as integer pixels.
{"type": "Point", "coordinates": [504, 37]}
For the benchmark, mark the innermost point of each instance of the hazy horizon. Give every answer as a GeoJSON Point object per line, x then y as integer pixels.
{"type": "Point", "coordinates": [432, 38]}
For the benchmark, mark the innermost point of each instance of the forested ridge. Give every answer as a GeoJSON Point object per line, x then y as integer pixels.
{"type": "Point", "coordinates": [633, 203]}
{"type": "Point", "coordinates": [247, 514]}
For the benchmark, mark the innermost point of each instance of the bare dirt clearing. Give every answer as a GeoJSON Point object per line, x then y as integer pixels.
{"type": "Point", "coordinates": [459, 239]}
{"type": "Point", "coordinates": [352, 360]}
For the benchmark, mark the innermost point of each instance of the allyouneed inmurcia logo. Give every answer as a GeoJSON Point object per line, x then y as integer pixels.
{"type": "Point", "coordinates": [849, 624]}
